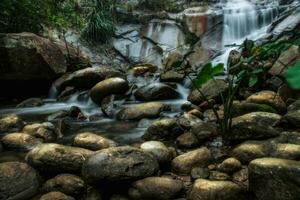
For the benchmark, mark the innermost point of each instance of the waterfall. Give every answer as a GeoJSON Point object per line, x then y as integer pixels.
{"type": "Point", "coordinates": [243, 18]}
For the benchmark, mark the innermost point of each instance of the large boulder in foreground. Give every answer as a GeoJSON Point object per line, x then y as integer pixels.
{"type": "Point", "coordinates": [19, 141]}
{"type": "Point", "coordinates": [56, 158]}
{"type": "Point", "coordinates": [215, 190]}
{"type": "Point", "coordinates": [26, 60]}
{"type": "Point", "coordinates": [277, 179]}
{"type": "Point", "coordinates": [18, 181]}
{"type": "Point", "coordinates": [156, 91]}
{"type": "Point", "coordinates": [108, 87]}
{"type": "Point", "coordinates": [119, 163]}
{"type": "Point", "coordinates": [159, 188]}
{"type": "Point", "coordinates": [255, 125]}
{"type": "Point", "coordinates": [143, 110]}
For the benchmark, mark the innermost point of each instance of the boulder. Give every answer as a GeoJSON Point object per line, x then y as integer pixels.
{"type": "Point", "coordinates": [291, 119]}
{"type": "Point", "coordinates": [56, 196]}
{"type": "Point", "coordinates": [18, 181]}
{"type": "Point", "coordinates": [56, 158]}
{"type": "Point", "coordinates": [211, 90]}
{"type": "Point", "coordinates": [200, 172]}
{"type": "Point", "coordinates": [269, 98]}
{"type": "Point", "coordinates": [159, 188]}
{"type": "Point", "coordinates": [31, 102]}
{"type": "Point", "coordinates": [143, 110]}
{"type": "Point", "coordinates": [204, 131]}
{"type": "Point", "coordinates": [19, 141]}
{"type": "Point", "coordinates": [241, 108]}
{"type": "Point", "coordinates": [92, 141]}
{"type": "Point", "coordinates": [230, 165]}
{"type": "Point", "coordinates": [172, 58]}
{"type": "Point", "coordinates": [108, 106]}
{"type": "Point", "coordinates": [286, 58]}
{"type": "Point", "coordinates": [186, 162]}
{"type": "Point", "coordinates": [45, 131]}
{"type": "Point", "coordinates": [10, 123]}
{"type": "Point", "coordinates": [27, 60]}
{"type": "Point", "coordinates": [158, 150]}
{"type": "Point", "coordinates": [118, 164]}
{"type": "Point", "coordinates": [294, 106]}
{"type": "Point", "coordinates": [156, 91]}
{"type": "Point", "coordinates": [171, 76]}
{"type": "Point", "coordinates": [272, 178]}
{"type": "Point", "coordinates": [250, 150]}
{"type": "Point", "coordinates": [217, 190]}
{"type": "Point", "coordinates": [286, 151]}
{"type": "Point", "coordinates": [85, 78]}
{"type": "Point", "coordinates": [255, 125]}
{"type": "Point", "coordinates": [241, 178]}
{"type": "Point", "coordinates": [142, 69]}
{"type": "Point", "coordinates": [108, 87]}
{"type": "Point", "coordinates": [187, 140]}
{"type": "Point", "coordinates": [68, 184]}
{"type": "Point", "coordinates": [163, 129]}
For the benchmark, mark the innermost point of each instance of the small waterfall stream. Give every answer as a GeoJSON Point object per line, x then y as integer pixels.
{"type": "Point", "coordinates": [240, 21]}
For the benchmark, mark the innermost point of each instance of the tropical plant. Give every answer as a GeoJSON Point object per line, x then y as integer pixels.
{"type": "Point", "coordinates": [100, 26]}
{"type": "Point", "coordinates": [292, 76]}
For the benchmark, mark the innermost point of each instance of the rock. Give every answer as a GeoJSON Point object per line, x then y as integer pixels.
{"type": "Point", "coordinates": [204, 131]}
{"type": "Point", "coordinates": [211, 90]}
{"type": "Point", "coordinates": [85, 78]}
{"type": "Point", "coordinates": [56, 196]}
{"type": "Point", "coordinates": [234, 58]}
{"type": "Point", "coordinates": [10, 123]}
{"type": "Point", "coordinates": [68, 184]}
{"type": "Point", "coordinates": [143, 110]}
{"type": "Point", "coordinates": [286, 151]}
{"type": "Point", "coordinates": [93, 194]}
{"type": "Point", "coordinates": [199, 56]}
{"type": "Point", "coordinates": [19, 141]}
{"type": "Point", "coordinates": [241, 178]}
{"type": "Point", "coordinates": [32, 102]}
{"type": "Point", "coordinates": [156, 91]}
{"type": "Point", "coordinates": [186, 162]}
{"type": "Point", "coordinates": [163, 129]}
{"type": "Point", "coordinates": [187, 140]}
{"type": "Point", "coordinates": [18, 181]}
{"type": "Point", "coordinates": [155, 188]}
{"type": "Point", "coordinates": [218, 176]}
{"type": "Point", "coordinates": [187, 120]}
{"type": "Point", "coordinates": [142, 69]}
{"type": "Point", "coordinates": [1, 147]}
{"type": "Point", "coordinates": [92, 141]}
{"type": "Point", "coordinates": [56, 158]}
{"type": "Point", "coordinates": [26, 60]}
{"type": "Point", "coordinates": [241, 108]}
{"type": "Point", "coordinates": [217, 190]}
{"type": "Point", "coordinates": [291, 119]}
{"type": "Point", "coordinates": [171, 59]}
{"type": "Point", "coordinates": [45, 131]}
{"type": "Point", "coordinates": [200, 172]}
{"type": "Point", "coordinates": [119, 163]}
{"type": "Point", "coordinates": [158, 150]}
{"type": "Point", "coordinates": [286, 58]}
{"type": "Point", "coordinates": [294, 106]}
{"type": "Point", "coordinates": [66, 93]}
{"type": "Point", "coordinates": [108, 87]}
{"type": "Point", "coordinates": [255, 125]}
{"type": "Point", "coordinates": [272, 178]}
{"type": "Point", "coordinates": [269, 98]}
{"type": "Point", "coordinates": [250, 150]}
{"type": "Point", "coordinates": [171, 76]}
{"type": "Point", "coordinates": [107, 106]}
{"type": "Point", "coordinates": [230, 165]}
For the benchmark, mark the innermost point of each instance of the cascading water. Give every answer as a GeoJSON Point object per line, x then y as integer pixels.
{"type": "Point", "coordinates": [243, 19]}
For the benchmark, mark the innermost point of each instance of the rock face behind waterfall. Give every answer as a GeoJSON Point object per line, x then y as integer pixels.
{"type": "Point", "coordinates": [26, 60]}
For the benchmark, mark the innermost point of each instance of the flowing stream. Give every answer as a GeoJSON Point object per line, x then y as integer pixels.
{"type": "Point", "coordinates": [240, 21]}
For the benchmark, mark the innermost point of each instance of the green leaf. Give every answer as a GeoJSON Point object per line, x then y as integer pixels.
{"type": "Point", "coordinates": [204, 75]}
{"type": "Point", "coordinates": [207, 73]}
{"type": "Point", "coordinates": [240, 76]}
{"type": "Point", "coordinates": [257, 71]}
{"type": "Point", "coordinates": [253, 80]}
{"type": "Point", "coordinates": [292, 76]}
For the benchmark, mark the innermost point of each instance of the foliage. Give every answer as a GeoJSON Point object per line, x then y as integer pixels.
{"type": "Point", "coordinates": [100, 26]}
{"type": "Point", "coordinates": [292, 76]}
{"type": "Point", "coordinates": [32, 15]}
